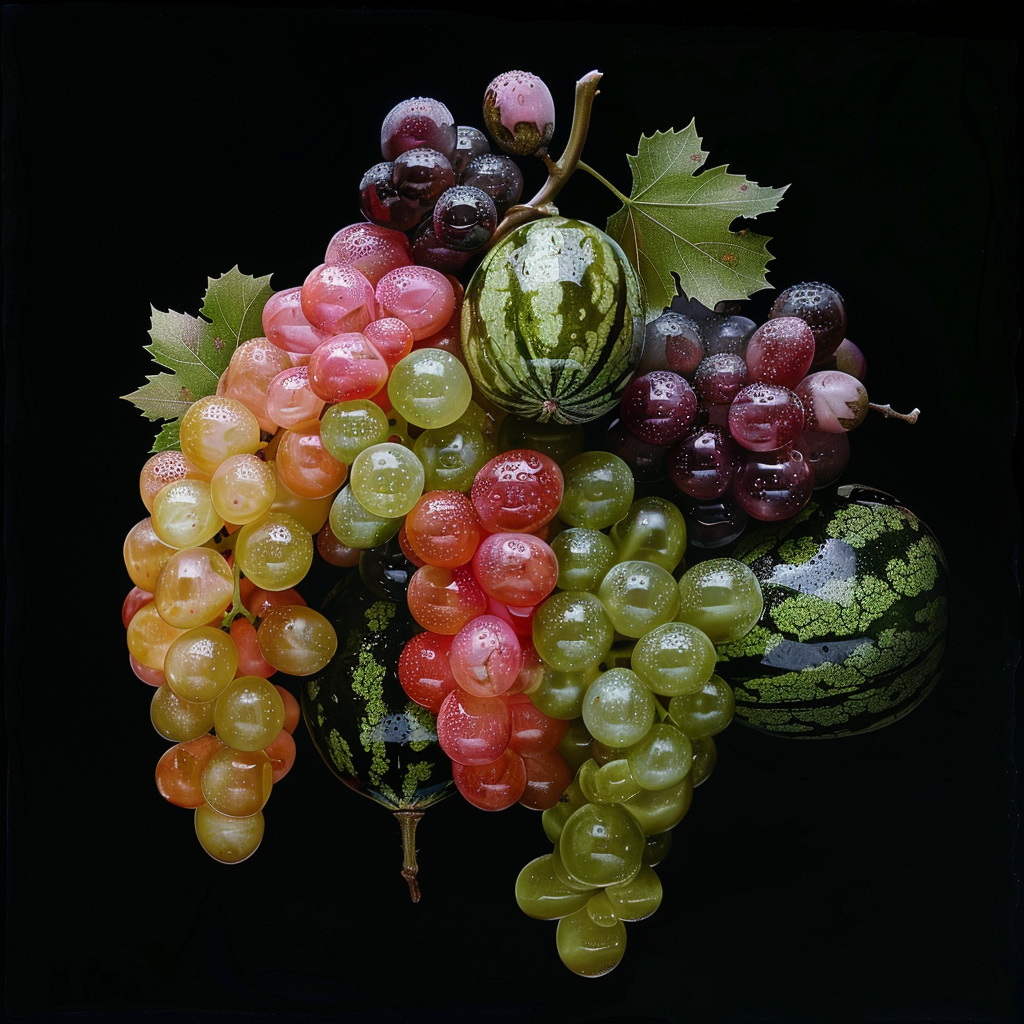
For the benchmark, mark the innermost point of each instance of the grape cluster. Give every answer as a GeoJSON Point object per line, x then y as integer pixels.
{"type": "Point", "coordinates": [745, 420]}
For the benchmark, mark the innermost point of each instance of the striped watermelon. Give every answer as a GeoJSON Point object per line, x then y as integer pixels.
{"type": "Point", "coordinates": [855, 623]}
{"type": "Point", "coordinates": [553, 322]}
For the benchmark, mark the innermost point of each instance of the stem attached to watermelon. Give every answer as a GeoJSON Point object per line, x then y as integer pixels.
{"type": "Point", "coordinates": [559, 171]}
{"type": "Point", "coordinates": [407, 821]}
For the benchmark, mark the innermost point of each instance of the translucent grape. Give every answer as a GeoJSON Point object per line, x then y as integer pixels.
{"type": "Point", "coordinates": [149, 636]}
{"type": "Point", "coordinates": [516, 569]}
{"type": "Point", "coordinates": [145, 554]}
{"type": "Point", "coordinates": [473, 730]}
{"type": "Point", "coordinates": [228, 840]}
{"type": "Point", "coordinates": [601, 844]}
{"type": "Point", "coordinates": [497, 175]}
{"type": "Point", "coordinates": [638, 596]}
{"type": "Point", "coordinates": [775, 485]}
{"type": "Point", "coordinates": [391, 338]}
{"type": "Point", "coordinates": [638, 898]}
{"type": "Point", "coordinates": [765, 417]}
{"type": "Point", "coordinates": [290, 399]}
{"type": "Point", "coordinates": [651, 530]}
{"type": "Point", "coordinates": [254, 364]}
{"type": "Point", "coordinates": [369, 248]}
{"type": "Point", "coordinates": [658, 407]}
{"type": "Point", "coordinates": [275, 551]}
{"type": "Point", "coordinates": [485, 656]}
{"type": "Point", "coordinates": [572, 631]}
{"type": "Point", "coordinates": [179, 770]}
{"type": "Point", "coordinates": [430, 388]}
{"type": "Point", "coordinates": [162, 468]}
{"type": "Point", "coordinates": [248, 714]}
{"type": "Point", "coordinates": [618, 709]}
{"type": "Point", "coordinates": [184, 515]}
{"type": "Point", "coordinates": [821, 307]}
{"type": "Point", "coordinates": [674, 658]}
{"type": "Point", "coordinates": [306, 466]}
{"type": "Point", "coordinates": [201, 663]}
{"type": "Point", "coordinates": [238, 782]}
{"type": "Point", "coordinates": [296, 639]}
{"type": "Point", "coordinates": [422, 298]}
{"type": "Point", "coordinates": [833, 401]}
{"type": "Point", "coordinates": [453, 455]}
{"type": "Point", "coordinates": [420, 121]}
{"type": "Point", "coordinates": [704, 463]}
{"type": "Point", "coordinates": [286, 326]}
{"type": "Point", "coordinates": [349, 428]}
{"type": "Point", "coordinates": [442, 528]}
{"type": "Point", "coordinates": [780, 351]}
{"type": "Point", "coordinates": [337, 299]}
{"type": "Point", "coordinates": [706, 712]}
{"type": "Point", "coordinates": [346, 367]}
{"type": "Point", "coordinates": [177, 719]}
{"type": "Point", "coordinates": [598, 490]}
{"type": "Point", "coordinates": [494, 786]}
{"type": "Point", "coordinates": [721, 597]}
{"type": "Point", "coordinates": [358, 527]}
{"type": "Point", "coordinates": [387, 479]}
{"type": "Point", "coordinates": [661, 758]}
{"type": "Point", "coordinates": [583, 557]}
{"type": "Point", "coordinates": [658, 810]}
{"type": "Point", "coordinates": [464, 218]}
{"type": "Point", "coordinates": [242, 489]}
{"type": "Point", "coordinates": [541, 895]}
{"type": "Point", "coordinates": [444, 600]}
{"type": "Point", "coordinates": [425, 671]}
{"type": "Point", "coordinates": [212, 428]}
{"type": "Point", "coordinates": [673, 342]}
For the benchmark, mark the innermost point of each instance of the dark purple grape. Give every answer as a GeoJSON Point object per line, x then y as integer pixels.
{"type": "Point", "coordinates": [672, 342]}
{"type": "Point", "coordinates": [780, 351]}
{"type": "Point", "coordinates": [718, 378]}
{"type": "Point", "coordinates": [714, 524]}
{"type": "Point", "coordinates": [775, 485]}
{"type": "Point", "coordinates": [381, 203]}
{"type": "Point", "coordinates": [519, 112]}
{"type": "Point", "coordinates": [646, 461]}
{"type": "Point", "coordinates": [826, 454]}
{"type": "Point", "coordinates": [421, 175]}
{"type": "Point", "coordinates": [724, 333]}
{"type": "Point", "coordinates": [765, 417]}
{"type": "Point", "coordinates": [415, 123]}
{"type": "Point", "coordinates": [470, 143]}
{"type": "Point", "coordinates": [822, 307]}
{"type": "Point", "coordinates": [704, 463]}
{"type": "Point", "coordinates": [658, 407]}
{"type": "Point", "coordinates": [499, 176]}
{"type": "Point", "coordinates": [427, 251]}
{"type": "Point", "coordinates": [464, 218]}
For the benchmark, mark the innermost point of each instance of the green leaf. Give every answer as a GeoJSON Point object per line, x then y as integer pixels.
{"type": "Point", "coordinates": [676, 223]}
{"type": "Point", "coordinates": [168, 438]}
{"type": "Point", "coordinates": [197, 349]}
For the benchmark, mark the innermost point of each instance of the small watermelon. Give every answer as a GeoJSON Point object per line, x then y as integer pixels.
{"type": "Point", "coordinates": [856, 617]}
{"type": "Point", "coordinates": [371, 735]}
{"type": "Point", "coordinates": [553, 322]}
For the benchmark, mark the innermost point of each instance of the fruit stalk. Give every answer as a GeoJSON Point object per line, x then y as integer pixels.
{"type": "Point", "coordinates": [407, 821]}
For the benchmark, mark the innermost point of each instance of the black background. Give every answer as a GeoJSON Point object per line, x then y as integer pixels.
{"type": "Point", "coordinates": [148, 148]}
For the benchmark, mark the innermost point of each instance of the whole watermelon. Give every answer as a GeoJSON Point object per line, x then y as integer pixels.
{"type": "Point", "coordinates": [856, 617]}
{"type": "Point", "coordinates": [553, 322]}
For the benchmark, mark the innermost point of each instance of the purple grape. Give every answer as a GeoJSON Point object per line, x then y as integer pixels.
{"type": "Point", "coordinates": [381, 203]}
{"type": "Point", "coordinates": [765, 417]}
{"type": "Point", "coordinates": [714, 524]}
{"type": "Point", "coordinates": [781, 351]}
{"type": "Point", "coordinates": [464, 218]}
{"type": "Point", "coordinates": [833, 401]}
{"type": "Point", "coordinates": [822, 307]}
{"type": "Point", "coordinates": [704, 463]}
{"type": "Point", "coordinates": [421, 175]}
{"type": "Point", "coordinates": [428, 251]}
{"type": "Point", "coordinates": [497, 175]}
{"type": "Point", "coordinates": [724, 333]}
{"type": "Point", "coordinates": [672, 342]}
{"type": "Point", "coordinates": [775, 485]}
{"type": "Point", "coordinates": [827, 454]}
{"type": "Point", "coordinates": [470, 143]}
{"type": "Point", "coordinates": [718, 378]}
{"type": "Point", "coordinates": [646, 461]}
{"type": "Point", "coordinates": [415, 123]}
{"type": "Point", "coordinates": [658, 407]}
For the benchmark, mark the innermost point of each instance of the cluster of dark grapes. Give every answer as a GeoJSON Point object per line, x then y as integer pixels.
{"type": "Point", "coordinates": [441, 184]}
{"type": "Point", "coordinates": [744, 420]}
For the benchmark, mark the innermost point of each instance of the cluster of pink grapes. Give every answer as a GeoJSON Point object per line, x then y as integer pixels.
{"type": "Point", "coordinates": [483, 568]}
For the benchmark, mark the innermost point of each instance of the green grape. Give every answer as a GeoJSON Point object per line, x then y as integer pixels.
{"type": "Point", "coordinates": [237, 782]}
{"type": "Point", "coordinates": [200, 664]}
{"type": "Point", "coordinates": [349, 428]}
{"type": "Point", "coordinates": [558, 441]}
{"type": "Point", "coordinates": [652, 530]}
{"type": "Point", "coordinates": [658, 810]}
{"type": "Point", "coordinates": [638, 898]}
{"type": "Point", "coordinates": [275, 552]}
{"type": "Point", "coordinates": [657, 847]}
{"type": "Point", "coordinates": [585, 779]}
{"type": "Point", "coordinates": [721, 597]}
{"type": "Point", "coordinates": [662, 758]}
{"type": "Point", "coordinates": [564, 876]}
{"type": "Point", "coordinates": [674, 658]}
{"type": "Point", "coordinates": [706, 712]}
{"type": "Point", "coordinates": [453, 455]}
{"type": "Point", "coordinates": [598, 490]}
{"type": "Point", "coordinates": [226, 839]}
{"type": "Point", "coordinates": [618, 709]}
{"type": "Point", "coordinates": [572, 631]}
{"type": "Point", "coordinates": [554, 818]}
{"type": "Point", "coordinates": [540, 894]}
{"type": "Point", "coordinates": [614, 783]}
{"type": "Point", "coordinates": [249, 714]}
{"type": "Point", "coordinates": [430, 387]}
{"type": "Point", "coordinates": [575, 744]}
{"type": "Point", "coordinates": [184, 515]}
{"type": "Point", "coordinates": [296, 639]}
{"type": "Point", "coordinates": [589, 949]}
{"type": "Point", "coordinates": [638, 596]}
{"type": "Point", "coordinates": [560, 694]}
{"type": "Point", "coordinates": [179, 720]}
{"type": "Point", "coordinates": [357, 527]}
{"type": "Point", "coordinates": [584, 556]}
{"type": "Point", "coordinates": [705, 756]}
{"type": "Point", "coordinates": [601, 844]}
{"type": "Point", "coordinates": [601, 910]}
{"type": "Point", "coordinates": [243, 488]}
{"type": "Point", "coordinates": [387, 480]}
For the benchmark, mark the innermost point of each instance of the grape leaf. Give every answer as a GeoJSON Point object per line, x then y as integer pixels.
{"type": "Point", "coordinates": [197, 349]}
{"type": "Point", "coordinates": [676, 223]}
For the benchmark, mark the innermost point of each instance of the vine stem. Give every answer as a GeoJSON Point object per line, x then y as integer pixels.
{"type": "Point", "coordinates": [624, 199]}
{"type": "Point", "coordinates": [559, 171]}
{"type": "Point", "coordinates": [889, 413]}
{"type": "Point", "coordinates": [407, 821]}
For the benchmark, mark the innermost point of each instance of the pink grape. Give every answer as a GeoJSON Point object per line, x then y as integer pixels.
{"type": "Point", "coordinates": [346, 367]}
{"type": "Point", "coordinates": [834, 401]}
{"type": "Point", "coordinates": [780, 351]}
{"type": "Point", "coordinates": [424, 670]}
{"type": "Point", "coordinates": [391, 338]}
{"type": "Point", "coordinates": [422, 298]}
{"type": "Point", "coordinates": [420, 121]}
{"type": "Point", "coordinates": [290, 399]}
{"type": "Point", "coordinates": [517, 492]}
{"type": "Point", "coordinates": [286, 326]}
{"type": "Point", "coordinates": [485, 656]}
{"type": "Point", "coordinates": [471, 729]}
{"type": "Point", "coordinates": [338, 299]}
{"type": "Point", "coordinates": [719, 377]}
{"type": "Point", "coordinates": [658, 407]}
{"type": "Point", "coordinates": [516, 569]}
{"type": "Point", "coordinates": [371, 249]}
{"type": "Point", "coordinates": [494, 786]}
{"type": "Point", "coordinates": [533, 732]}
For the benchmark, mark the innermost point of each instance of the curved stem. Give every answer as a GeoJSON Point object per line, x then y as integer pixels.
{"type": "Point", "coordinates": [604, 181]}
{"type": "Point", "coordinates": [889, 413]}
{"type": "Point", "coordinates": [559, 171]}
{"type": "Point", "coordinates": [407, 821]}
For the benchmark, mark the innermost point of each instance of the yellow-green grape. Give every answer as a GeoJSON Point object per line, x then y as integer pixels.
{"type": "Point", "coordinates": [575, 743]}
{"type": "Point", "coordinates": [558, 441]}
{"type": "Point", "coordinates": [430, 388]}
{"type": "Point", "coordinates": [177, 719]}
{"type": "Point", "coordinates": [356, 526]}
{"type": "Point", "coordinates": [486, 418]}
{"type": "Point", "coordinates": [348, 428]}
{"type": "Point", "coordinates": [585, 779]}
{"type": "Point", "coordinates": [572, 631]}
{"type": "Point", "coordinates": [614, 783]}
{"type": "Point", "coordinates": [214, 428]}
{"type": "Point", "coordinates": [541, 895]}
{"type": "Point", "coordinates": [243, 488]}
{"type": "Point", "coordinates": [652, 530]}
{"type": "Point", "coordinates": [311, 512]}
{"type": "Point", "coordinates": [296, 639]}
{"type": "Point", "coordinates": [658, 810]}
{"type": "Point", "coordinates": [564, 876]}
{"type": "Point", "coordinates": [705, 756]}
{"type": "Point", "coordinates": [618, 709]}
{"type": "Point", "coordinates": [588, 949]}
{"type": "Point", "coordinates": [656, 848]}
{"type": "Point", "coordinates": [201, 663]}
{"type": "Point", "coordinates": [452, 456]}
{"type": "Point", "coordinates": [560, 694]}
{"type": "Point", "coordinates": [387, 480]}
{"type": "Point", "coordinates": [638, 898]}
{"type": "Point", "coordinates": [707, 711]}
{"type": "Point", "coordinates": [194, 587]}
{"type": "Point", "coordinates": [149, 637]}
{"type": "Point", "coordinates": [601, 910]}
{"type": "Point", "coordinates": [721, 597]}
{"type": "Point", "coordinates": [249, 714]}
{"type": "Point", "coordinates": [275, 552]}
{"type": "Point", "coordinates": [184, 515]}
{"type": "Point", "coordinates": [638, 596]}
{"type": "Point", "coordinates": [598, 490]}
{"type": "Point", "coordinates": [584, 556]}
{"type": "Point", "coordinates": [601, 844]}
{"type": "Point", "coordinates": [660, 759]}
{"type": "Point", "coordinates": [674, 658]}
{"type": "Point", "coordinates": [145, 554]}
{"type": "Point", "coordinates": [553, 818]}
{"type": "Point", "coordinates": [226, 839]}
{"type": "Point", "coordinates": [238, 782]}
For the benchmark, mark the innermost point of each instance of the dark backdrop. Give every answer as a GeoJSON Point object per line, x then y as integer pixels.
{"type": "Point", "coordinates": [147, 148]}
